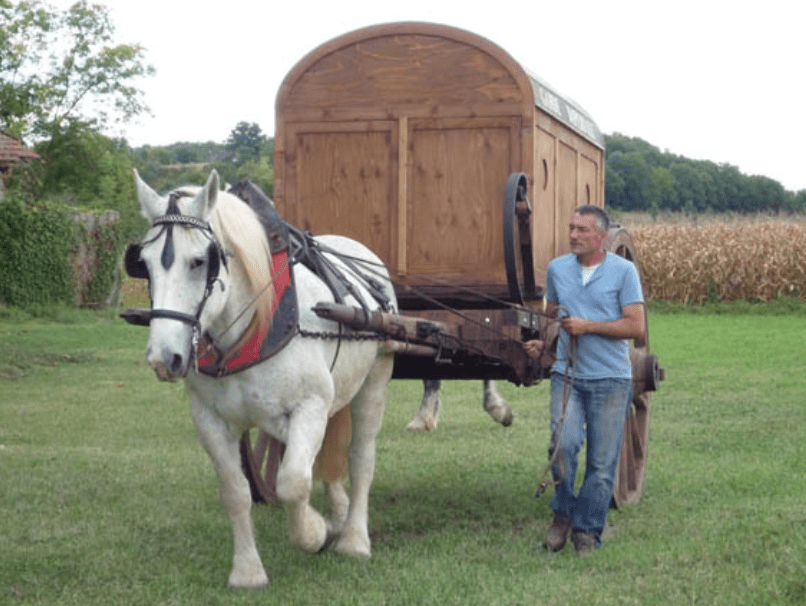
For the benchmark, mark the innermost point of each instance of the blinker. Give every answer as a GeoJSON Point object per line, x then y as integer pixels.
{"type": "Point", "coordinates": [134, 265]}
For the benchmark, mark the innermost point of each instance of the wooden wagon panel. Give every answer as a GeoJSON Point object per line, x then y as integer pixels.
{"type": "Point", "coordinates": [457, 167]}
{"type": "Point", "coordinates": [347, 173]}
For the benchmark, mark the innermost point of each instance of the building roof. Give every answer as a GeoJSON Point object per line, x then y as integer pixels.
{"type": "Point", "coordinates": [12, 151]}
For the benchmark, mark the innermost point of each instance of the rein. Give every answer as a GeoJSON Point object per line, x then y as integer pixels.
{"type": "Point", "coordinates": [568, 381]}
{"type": "Point", "coordinates": [209, 345]}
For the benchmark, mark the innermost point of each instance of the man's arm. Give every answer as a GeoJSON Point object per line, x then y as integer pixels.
{"type": "Point", "coordinates": [631, 326]}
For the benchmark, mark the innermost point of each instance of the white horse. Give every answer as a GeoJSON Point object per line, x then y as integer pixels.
{"type": "Point", "coordinates": [427, 416]}
{"type": "Point", "coordinates": [208, 262]}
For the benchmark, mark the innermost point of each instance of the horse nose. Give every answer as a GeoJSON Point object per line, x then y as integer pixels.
{"type": "Point", "coordinates": [168, 364]}
{"type": "Point", "coordinates": [177, 362]}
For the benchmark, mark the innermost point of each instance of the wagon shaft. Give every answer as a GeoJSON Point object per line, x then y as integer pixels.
{"type": "Point", "coordinates": [485, 343]}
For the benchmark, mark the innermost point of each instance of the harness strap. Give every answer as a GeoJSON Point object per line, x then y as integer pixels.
{"type": "Point", "coordinates": [311, 254]}
{"type": "Point", "coordinates": [169, 314]}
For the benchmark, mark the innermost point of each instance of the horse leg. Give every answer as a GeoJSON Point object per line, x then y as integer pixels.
{"type": "Point", "coordinates": [338, 504]}
{"type": "Point", "coordinates": [367, 414]}
{"type": "Point", "coordinates": [428, 415]}
{"type": "Point", "coordinates": [306, 430]}
{"type": "Point", "coordinates": [332, 465]}
{"type": "Point", "coordinates": [495, 405]}
{"type": "Point", "coordinates": [223, 449]}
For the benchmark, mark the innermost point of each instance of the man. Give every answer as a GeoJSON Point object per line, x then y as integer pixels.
{"type": "Point", "coordinates": [598, 296]}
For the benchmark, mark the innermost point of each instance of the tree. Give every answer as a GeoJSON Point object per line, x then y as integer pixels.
{"type": "Point", "coordinates": [667, 193]}
{"type": "Point", "coordinates": [246, 142]}
{"type": "Point", "coordinates": [59, 67]}
{"type": "Point", "coordinates": [689, 182]}
{"type": "Point", "coordinates": [614, 187]}
{"type": "Point", "coordinates": [641, 190]}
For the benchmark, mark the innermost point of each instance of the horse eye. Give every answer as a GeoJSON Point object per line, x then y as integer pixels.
{"type": "Point", "coordinates": [196, 263]}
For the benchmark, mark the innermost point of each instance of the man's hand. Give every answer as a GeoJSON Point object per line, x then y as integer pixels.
{"type": "Point", "coordinates": [630, 326]}
{"type": "Point", "coordinates": [533, 348]}
{"type": "Point", "coordinates": [576, 326]}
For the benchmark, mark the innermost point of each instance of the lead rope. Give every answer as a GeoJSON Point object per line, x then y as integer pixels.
{"type": "Point", "coordinates": [568, 381]}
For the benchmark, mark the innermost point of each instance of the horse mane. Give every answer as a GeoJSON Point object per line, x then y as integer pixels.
{"type": "Point", "coordinates": [238, 229]}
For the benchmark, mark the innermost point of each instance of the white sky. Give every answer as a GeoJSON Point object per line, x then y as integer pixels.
{"type": "Point", "coordinates": [716, 80]}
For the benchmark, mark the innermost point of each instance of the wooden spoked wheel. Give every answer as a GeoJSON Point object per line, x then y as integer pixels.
{"type": "Point", "coordinates": [631, 471]}
{"type": "Point", "coordinates": [260, 458]}
{"type": "Point", "coordinates": [518, 257]}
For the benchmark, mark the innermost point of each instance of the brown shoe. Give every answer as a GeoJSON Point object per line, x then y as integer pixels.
{"type": "Point", "coordinates": [557, 535]}
{"type": "Point", "coordinates": [584, 542]}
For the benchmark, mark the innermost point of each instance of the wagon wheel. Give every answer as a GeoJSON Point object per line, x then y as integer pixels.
{"type": "Point", "coordinates": [260, 458]}
{"type": "Point", "coordinates": [518, 257]}
{"type": "Point", "coordinates": [628, 487]}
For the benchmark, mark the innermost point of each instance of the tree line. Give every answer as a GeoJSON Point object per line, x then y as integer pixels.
{"type": "Point", "coordinates": [246, 154]}
{"type": "Point", "coordinates": [641, 177]}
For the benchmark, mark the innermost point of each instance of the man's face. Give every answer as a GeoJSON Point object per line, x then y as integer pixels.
{"type": "Point", "coordinates": [585, 238]}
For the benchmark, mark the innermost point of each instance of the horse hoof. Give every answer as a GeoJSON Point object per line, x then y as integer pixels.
{"type": "Point", "coordinates": [260, 581]}
{"type": "Point", "coordinates": [418, 425]}
{"type": "Point", "coordinates": [353, 545]}
{"type": "Point", "coordinates": [331, 536]}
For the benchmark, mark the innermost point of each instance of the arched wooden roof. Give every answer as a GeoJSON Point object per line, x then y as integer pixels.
{"type": "Point", "coordinates": [499, 79]}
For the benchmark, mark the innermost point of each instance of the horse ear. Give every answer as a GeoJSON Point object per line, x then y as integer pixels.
{"type": "Point", "coordinates": [207, 197]}
{"type": "Point", "coordinates": [150, 202]}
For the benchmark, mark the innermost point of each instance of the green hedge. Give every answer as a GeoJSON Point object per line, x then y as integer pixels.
{"type": "Point", "coordinates": [40, 261]}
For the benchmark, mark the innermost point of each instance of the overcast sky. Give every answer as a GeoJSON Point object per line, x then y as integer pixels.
{"type": "Point", "coordinates": [708, 79]}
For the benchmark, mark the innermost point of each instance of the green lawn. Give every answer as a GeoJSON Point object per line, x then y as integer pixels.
{"type": "Point", "coordinates": [108, 499]}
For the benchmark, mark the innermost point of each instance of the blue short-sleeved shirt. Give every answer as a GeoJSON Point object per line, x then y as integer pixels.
{"type": "Point", "coordinates": [614, 285]}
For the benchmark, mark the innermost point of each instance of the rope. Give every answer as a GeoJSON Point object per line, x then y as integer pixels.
{"type": "Point", "coordinates": [568, 381]}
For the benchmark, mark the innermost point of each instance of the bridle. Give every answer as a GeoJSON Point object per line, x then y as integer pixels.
{"type": "Point", "coordinates": [136, 267]}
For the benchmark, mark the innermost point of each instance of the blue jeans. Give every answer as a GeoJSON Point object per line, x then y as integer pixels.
{"type": "Point", "coordinates": [597, 410]}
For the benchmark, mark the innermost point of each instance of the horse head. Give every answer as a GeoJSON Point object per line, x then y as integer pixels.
{"type": "Point", "coordinates": [183, 261]}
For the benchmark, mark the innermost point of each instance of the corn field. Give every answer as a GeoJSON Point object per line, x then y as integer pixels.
{"type": "Point", "coordinates": [721, 259]}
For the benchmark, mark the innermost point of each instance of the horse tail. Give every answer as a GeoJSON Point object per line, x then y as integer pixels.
{"type": "Point", "coordinates": [332, 461]}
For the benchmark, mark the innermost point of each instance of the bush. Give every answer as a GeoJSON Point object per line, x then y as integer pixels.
{"type": "Point", "coordinates": [51, 254]}
{"type": "Point", "coordinates": [34, 258]}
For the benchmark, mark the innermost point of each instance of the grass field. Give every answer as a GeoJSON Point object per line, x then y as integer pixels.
{"type": "Point", "coordinates": [108, 499]}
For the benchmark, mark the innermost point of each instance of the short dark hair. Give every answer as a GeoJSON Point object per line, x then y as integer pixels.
{"type": "Point", "coordinates": [602, 220]}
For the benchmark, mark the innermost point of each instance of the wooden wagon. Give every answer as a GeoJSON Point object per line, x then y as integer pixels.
{"type": "Point", "coordinates": [461, 170]}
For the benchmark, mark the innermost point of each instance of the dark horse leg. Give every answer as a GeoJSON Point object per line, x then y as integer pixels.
{"type": "Point", "coordinates": [427, 417]}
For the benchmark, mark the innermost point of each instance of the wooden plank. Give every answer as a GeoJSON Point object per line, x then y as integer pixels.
{"type": "Point", "coordinates": [395, 111]}
{"type": "Point", "coordinates": [422, 71]}
{"type": "Point", "coordinates": [402, 196]}
{"type": "Point", "coordinates": [456, 186]}
{"type": "Point", "coordinates": [342, 179]}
